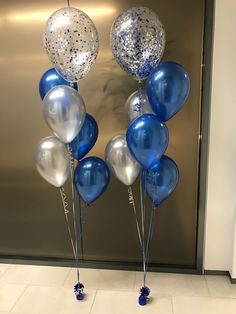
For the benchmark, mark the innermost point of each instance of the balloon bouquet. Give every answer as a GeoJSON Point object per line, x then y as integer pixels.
{"type": "Point", "coordinates": [138, 42]}
{"type": "Point", "coordinates": [71, 42]}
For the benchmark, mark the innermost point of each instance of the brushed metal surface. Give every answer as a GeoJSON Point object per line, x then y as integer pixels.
{"type": "Point", "coordinates": [31, 219]}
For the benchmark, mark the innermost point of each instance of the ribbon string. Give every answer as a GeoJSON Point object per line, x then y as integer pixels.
{"type": "Point", "coordinates": [143, 212]}
{"type": "Point", "coordinates": [150, 234]}
{"type": "Point", "coordinates": [132, 202]}
{"type": "Point", "coordinates": [66, 212]}
{"type": "Point", "coordinates": [72, 162]}
{"type": "Point", "coordinates": [81, 221]}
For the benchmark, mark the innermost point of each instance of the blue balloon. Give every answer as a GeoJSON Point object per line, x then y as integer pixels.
{"type": "Point", "coordinates": [86, 138]}
{"type": "Point", "coordinates": [167, 89]}
{"type": "Point", "coordinates": [91, 178]}
{"type": "Point", "coordinates": [161, 180]}
{"type": "Point", "coordinates": [147, 138]}
{"type": "Point", "coordinates": [50, 79]}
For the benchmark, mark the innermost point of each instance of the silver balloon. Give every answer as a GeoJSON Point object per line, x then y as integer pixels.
{"type": "Point", "coordinates": [71, 42]}
{"type": "Point", "coordinates": [52, 161]}
{"type": "Point", "coordinates": [138, 41]}
{"type": "Point", "coordinates": [137, 104]}
{"type": "Point", "coordinates": [64, 112]}
{"type": "Point", "coordinates": [120, 162]}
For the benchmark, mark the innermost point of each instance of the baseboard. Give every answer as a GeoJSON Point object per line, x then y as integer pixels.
{"type": "Point", "coordinates": [116, 265]}
{"type": "Point", "coordinates": [220, 273]}
{"type": "Point", "coordinates": [233, 280]}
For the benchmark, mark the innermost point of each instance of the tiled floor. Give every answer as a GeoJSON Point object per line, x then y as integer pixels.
{"type": "Point", "coordinates": [49, 290]}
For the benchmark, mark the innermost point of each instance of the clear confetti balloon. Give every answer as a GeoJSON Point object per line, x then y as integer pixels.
{"type": "Point", "coordinates": [71, 42]}
{"type": "Point", "coordinates": [138, 41]}
{"type": "Point", "coordinates": [137, 104]}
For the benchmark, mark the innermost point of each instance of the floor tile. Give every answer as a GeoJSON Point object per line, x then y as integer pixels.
{"type": "Point", "coordinates": [49, 300]}
{"type": "Point", "coordinates": [126, 302]}
{"type": "Point", "coordinates": [9, 294]}
{"type": "Point", "coordinates": [3, 268]}
{"type": "Point", "coordinates": [103, 279]}
{"type": "Point", "coordinates": [220, 286]}
{"type": "Point", "coordinates": [174, 284]}
{"type": "Point", "coordinates": [203, 305]}
{"type": "Point", "coordinates": [35, 275]}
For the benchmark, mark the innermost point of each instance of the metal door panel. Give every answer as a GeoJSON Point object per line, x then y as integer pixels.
{"type": "Point", "coordinates": [32, 222]}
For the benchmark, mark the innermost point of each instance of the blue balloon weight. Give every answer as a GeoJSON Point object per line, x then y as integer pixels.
{"type": "Point", "coordinates": [167, 89]}
{"type": "Point", "coordinates": [161, 180]}
{"type": "Point", "coordinates": [86, 138]}
{"type": "Point", "coordinates": [50, 79]}
{"type": "Point", "coordinates": [91, 178]}
{"type": "Point", "coordinates": [147, 138]}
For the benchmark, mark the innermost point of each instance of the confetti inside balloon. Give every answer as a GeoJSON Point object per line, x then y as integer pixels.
{"type": "Point", "coordinates": [71, 42]}
{"type": "Point", "coordinates": [138, 41]}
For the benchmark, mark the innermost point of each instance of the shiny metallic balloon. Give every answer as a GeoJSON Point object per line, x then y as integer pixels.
{"type": "Point", "coordinates": [137, 104]}
{"type": "Point", "coordinates": [71, 42]}
{"type": "Point", "coordinates": [86, 138]}
{"type": "Point", "coordinates": [50, 79]}
{"type": "Point", "coordinates": [120, 162]}
{"type": "Point", "coordinates": [161, 180]}
{"type": "Point", "coordinates": [138, 41]}
{"type": "Point", "coordinates": [168, 88]}
{"type": "Point", "coordinates": [64, 112]}
{"type": "Point", "coordinates": [91, 178]}
{"type": "Point", "coordinates": [52, 160]}
{"type": "Point", "coordinates": [147, 138]}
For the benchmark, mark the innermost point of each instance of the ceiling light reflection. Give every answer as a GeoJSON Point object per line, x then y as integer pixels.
{"type": "Point", "coordinates": [29, 17]}
{"type": "Point", "coordinates": [38, 16]}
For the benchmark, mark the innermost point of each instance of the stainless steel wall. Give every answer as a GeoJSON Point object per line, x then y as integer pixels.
{"type": "Point", "coordinates": [31, 217]}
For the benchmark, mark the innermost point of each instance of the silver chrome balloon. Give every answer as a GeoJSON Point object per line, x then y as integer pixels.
{"type": "Point", "coordinates": [120, 162]}
{"type": "Point", "coordinates": [71, 42]}
{"type": "Point", "coordinates": [137, 104]}
{"type": "Point", "coordinates": [64, 112]}
{"type": "Point", "coordinates": [52, 161]}
{"type": "Point", "coordinates": [138, 41]}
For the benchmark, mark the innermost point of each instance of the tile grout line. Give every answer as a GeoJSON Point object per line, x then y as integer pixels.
{"type": "Point", "coordinates": [28, 283]}
{"type": "Point", "coordinates": [8, 267]}
{"type": "Point", "coordinates": [20, 296]}
{"type": "Point", "coordinates": [67, 276]}
{"type": "Point", "coordinates": [95, 295]}
{"type": "Point", "coordinates": [172, 304]}
{"type": "Point", "coordinates": [135, 277]}
{"type": "Point", "coordinates": [208, 289]}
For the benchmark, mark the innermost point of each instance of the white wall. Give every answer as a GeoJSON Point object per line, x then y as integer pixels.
{"type": "Point", "coordinates": [220, 247]}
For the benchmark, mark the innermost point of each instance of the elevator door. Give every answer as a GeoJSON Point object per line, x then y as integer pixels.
{"type": "Point", "coordinates": [31, 220]}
